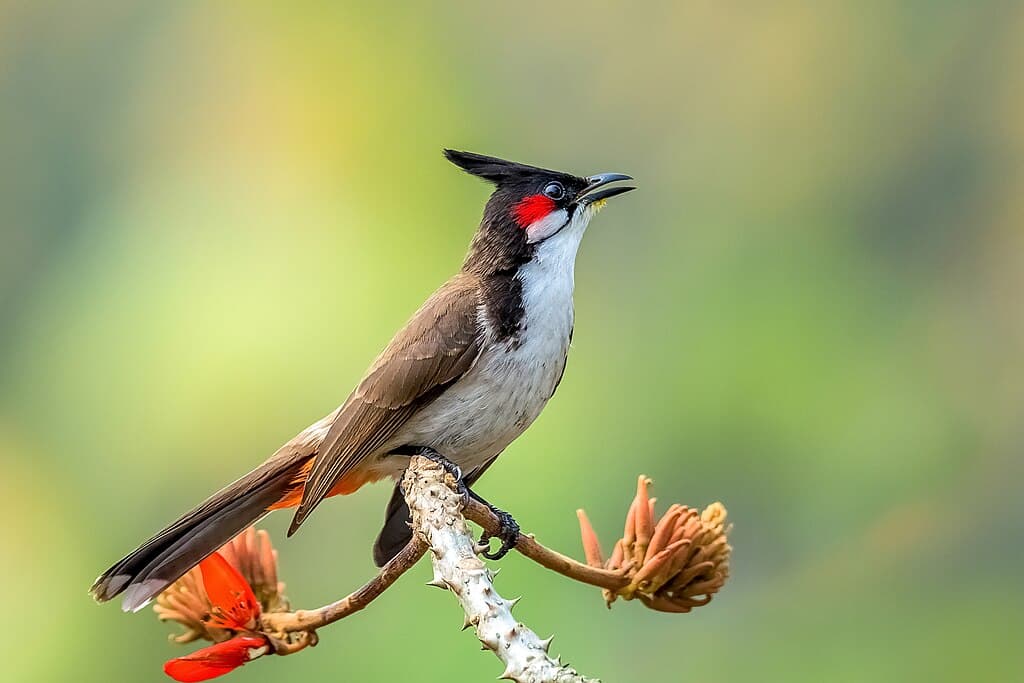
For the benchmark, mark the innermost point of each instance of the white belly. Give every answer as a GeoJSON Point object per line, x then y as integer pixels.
{"type": "Point", "coordinates": [491, 405]}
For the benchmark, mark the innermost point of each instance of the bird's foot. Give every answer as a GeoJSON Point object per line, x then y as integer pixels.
{"type": "Point", "coordinates": [508, 534]}
{"type": "Point", "coordinates": [508, 529]}
{"type": "Point", "coordinates": [449, 467]}
{"type": "Point", "coordinates": [435, 457]}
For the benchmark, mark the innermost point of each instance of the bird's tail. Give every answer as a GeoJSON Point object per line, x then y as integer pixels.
{"type": "Point", "coordinates": [164, 558]}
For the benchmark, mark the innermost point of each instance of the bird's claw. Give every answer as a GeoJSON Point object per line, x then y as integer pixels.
{"type": "Point", "coordinates": [451, 468]}
{"type": "Point", "coordinates": [508, 533]}
{"type": "Point", "coordinates": [448, 466]}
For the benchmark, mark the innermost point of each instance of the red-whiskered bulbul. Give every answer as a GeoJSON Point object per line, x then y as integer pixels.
{"type": "Point", "coordinates": [469, 372]}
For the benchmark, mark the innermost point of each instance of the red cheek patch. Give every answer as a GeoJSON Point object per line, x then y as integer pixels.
{"type": "Point", "coordinates": [532, 209]}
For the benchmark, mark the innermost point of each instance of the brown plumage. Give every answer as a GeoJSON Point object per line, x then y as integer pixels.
{"type": "Point", "coordinates": [432, 351]}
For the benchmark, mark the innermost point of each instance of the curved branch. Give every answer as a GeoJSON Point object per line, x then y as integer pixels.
{"type": "Point", "coordinates": [280, 623]}
{"type": "Point", "coordinates": [529, 547]}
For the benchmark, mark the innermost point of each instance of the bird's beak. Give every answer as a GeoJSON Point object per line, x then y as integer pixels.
{"type": "Point", "coordinates": [597, 190]}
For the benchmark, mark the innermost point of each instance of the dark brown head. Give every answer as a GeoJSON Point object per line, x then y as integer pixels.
{"type": "Point", "coordinates": [529, 207]}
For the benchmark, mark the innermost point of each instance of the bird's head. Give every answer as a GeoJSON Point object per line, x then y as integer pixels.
{"type": "Point", "coordinates": [532, 209]}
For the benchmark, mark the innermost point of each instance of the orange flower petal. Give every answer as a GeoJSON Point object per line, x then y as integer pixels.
{"type": "Point", "coordinates": [591, 546]}
{"type": "Point", "coordinates": [644, 524]}
{"type": "Point", "coordinates": [216, 660]}
{"type": "Point", "coordinates": [234, 606]}
{"type": "Point", "coordinates": [662, 532]}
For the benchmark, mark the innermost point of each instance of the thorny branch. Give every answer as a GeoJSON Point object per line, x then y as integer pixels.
{"type": "Point", "coordinates": [281, 623]}
{"type": "Point", "coordinates": [437, 516]}
{"type": "Point", "coordinates": [673, 565]}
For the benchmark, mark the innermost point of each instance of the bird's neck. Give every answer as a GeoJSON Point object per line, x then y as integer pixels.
{"type": "Point", "coordinates": [535, 294]}
{"type": "Point", "coordinates": [498, 248]}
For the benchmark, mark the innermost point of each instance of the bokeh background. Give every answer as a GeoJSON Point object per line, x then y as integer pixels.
{"type": "Point", "coordinates": [215, 214]}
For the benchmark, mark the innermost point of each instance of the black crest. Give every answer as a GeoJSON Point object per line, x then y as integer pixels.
{"type": "Point", "coordinates": [495, 170]}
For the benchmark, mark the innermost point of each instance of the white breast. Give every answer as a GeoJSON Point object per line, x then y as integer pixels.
{"type": "Point", "coordinates": [512, 380]}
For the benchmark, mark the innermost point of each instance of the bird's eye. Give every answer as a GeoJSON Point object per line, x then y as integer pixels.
{"type": "Point", "coordinates": [554, 191]}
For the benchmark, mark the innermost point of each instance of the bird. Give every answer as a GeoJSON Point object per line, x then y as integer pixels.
{"type": "Point", "coordinates": [466, 375]}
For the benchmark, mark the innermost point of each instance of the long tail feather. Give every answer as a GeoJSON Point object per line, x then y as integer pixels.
{"type": "Point", "coordinates": [164, 558]}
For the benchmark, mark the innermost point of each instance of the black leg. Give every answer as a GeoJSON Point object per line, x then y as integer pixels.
{"type": "Point", "coordinates": [508, 532]}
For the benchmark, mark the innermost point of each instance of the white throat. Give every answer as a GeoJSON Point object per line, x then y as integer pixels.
{"type": "Point", "coordinates": [548, 281]}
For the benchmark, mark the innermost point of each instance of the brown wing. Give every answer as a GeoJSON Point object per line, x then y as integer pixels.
{"type": "Point", "coordinates": [436, 347]}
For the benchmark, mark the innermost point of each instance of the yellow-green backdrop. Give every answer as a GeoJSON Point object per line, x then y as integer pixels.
{"type": "Point", "coordinates": [214, 214]}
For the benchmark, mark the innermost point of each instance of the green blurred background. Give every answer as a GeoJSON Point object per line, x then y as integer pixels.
{"type": "Point", "coordinates": [215, 214]}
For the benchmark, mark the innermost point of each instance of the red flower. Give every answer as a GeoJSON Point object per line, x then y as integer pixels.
{"type": "Point", "coordinates": [216, 660]}
{"type": "Point", "coordinates": [233, 606]}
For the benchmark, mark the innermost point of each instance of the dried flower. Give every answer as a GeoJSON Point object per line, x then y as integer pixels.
{"type": "Point", "coordinates": [674, 564]}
